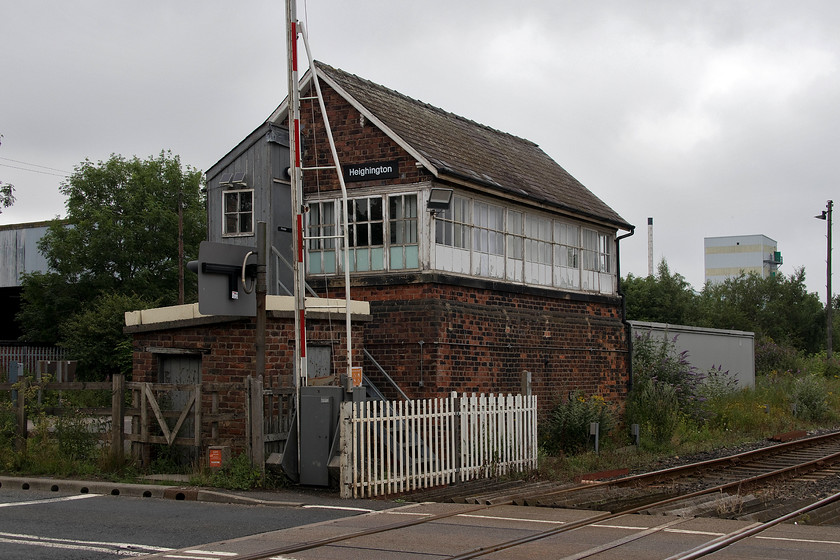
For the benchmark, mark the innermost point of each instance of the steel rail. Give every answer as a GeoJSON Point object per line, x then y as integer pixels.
{"type": "Point", "coordinates": [298, 547]}
{"type": "Point", "coordinates": [482, 551]}
{"type": "Point", "coordinates": [736, 536]}
{"type": "Point", "coordinates": [672, 472]}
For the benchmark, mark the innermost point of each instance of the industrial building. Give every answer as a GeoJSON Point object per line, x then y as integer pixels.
{"type": "Point", "coordinates": [730, 256]}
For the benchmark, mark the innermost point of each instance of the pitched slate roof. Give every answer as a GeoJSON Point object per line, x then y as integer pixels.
{"type": "Point", "coordinates": [450, 145]}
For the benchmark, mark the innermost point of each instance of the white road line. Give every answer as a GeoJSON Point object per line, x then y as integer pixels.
{"type": "Point", "coordinates": [190, 557]}
{"type": "Point", "coordinates": [36, 539]}
{"type": "Point", "coordinates": [50, 500]}
{"type": "Point", "coordinates": [211, 552]}
{"type": "Point", "coordinates": [814, 541]}
{"type": "Point", "coordinates": [341, 508]}
{"type": "Point", "coordinates": [67, 546]}
{"type": "Point", "coordinates": [512, 519]}
{"type": "Point", "coordinates": [690, 532]}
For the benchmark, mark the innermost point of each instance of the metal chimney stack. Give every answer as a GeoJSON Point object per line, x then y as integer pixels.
{"type": "Point", "coordinates": [650, 246]}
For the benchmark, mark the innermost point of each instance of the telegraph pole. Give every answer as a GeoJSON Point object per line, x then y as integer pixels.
{"type": "Point", "coordinates": [828, 303]}
{"type": "Point", "coordinates": [829, 324]}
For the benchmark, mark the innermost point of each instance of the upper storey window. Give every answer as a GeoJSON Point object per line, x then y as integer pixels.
{"type": "Point", "coordinates": [473, 237]}
{"type": "Point", "coordinates": [478, 238]}
{"type": "Point", "coordinates": [238, 210]}
{"type": "Point", "coordinates": [382, 234]}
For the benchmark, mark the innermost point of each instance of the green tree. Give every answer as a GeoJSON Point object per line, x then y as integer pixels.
{"type": "Point", "coordinates": [664, 298]}
{"type": "Point", "coordinates": [95, 336]}
{"type": "Point", "coordinates": [120, 237]}
{"type": "Point", "coordinates": [7, 192]}
{"type": "Point", "coordinates": [778, 307]}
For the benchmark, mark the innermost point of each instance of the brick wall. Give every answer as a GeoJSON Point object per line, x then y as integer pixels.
{"type": "Point", "coordinates": [228, 358]}
{"type": "Point", "coordinates": [357, 141]}
{"type": "Point", "coordinates": [482, 339]}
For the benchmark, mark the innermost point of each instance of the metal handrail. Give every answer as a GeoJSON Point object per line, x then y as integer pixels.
{"type": "Point", "coordinates": [385, 373]}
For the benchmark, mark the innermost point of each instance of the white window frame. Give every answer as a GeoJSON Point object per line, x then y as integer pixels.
{"type": "Point", "coordinates": [321, 250]}
{"type": "Point", "coordinates": [403, 235]}
{"type": "Point", "coordinates": [324, 256]}
{"type": "Point", "coordinates": [238, 213]}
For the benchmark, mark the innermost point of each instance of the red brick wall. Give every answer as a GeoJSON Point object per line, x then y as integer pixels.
{"type": "Point", "coordinates": [355, 143]}
{"type": "Point", "coordinates": [481, 339]}
{"type": "Point", "coordinates": [228, 358]}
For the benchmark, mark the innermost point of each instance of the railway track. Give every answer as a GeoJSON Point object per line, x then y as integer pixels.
{"type": "Point", "coordinates": [742, 485]}
{"type": "Point", "coordinates": [666, 491]}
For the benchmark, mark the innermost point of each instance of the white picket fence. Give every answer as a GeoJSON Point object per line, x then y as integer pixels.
{"type": "Point", "coordinates": [392, 447]}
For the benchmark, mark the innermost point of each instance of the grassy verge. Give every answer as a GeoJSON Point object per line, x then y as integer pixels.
{"type": "Point", "coordinates": [779, 402]}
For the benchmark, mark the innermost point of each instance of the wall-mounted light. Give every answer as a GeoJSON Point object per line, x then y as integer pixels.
{"type": "Point", "coordinates": [439, 199]}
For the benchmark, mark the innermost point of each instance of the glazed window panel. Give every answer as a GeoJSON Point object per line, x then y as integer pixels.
{"type": "Point", "coordinates": [605, 242]}
{"type": "Point", "coordinates": [566, 255]}
{"type": "Point", "coordinates": [488, 240]}
{"type": "Point", "coordinates": [590, 250]}
{"type": "Point", "coordinates": [452, 237]}
{"type": "Point", "coordinates": [488, 234]}
{"type": "Point", "coordinates": [238, 209]}
{"type": "Point", "coordinates": [538, 245]}
{"type": "Point", "coordinates": [321, 227]}
{"type": "Point", "coordinates": [403, 238]}
{"type": "Point", "coordinates": [514, 246]}
{"type": "Point", "coordinates": [366, 234]}
{"type": "Point", "coordinates": [452, 227]}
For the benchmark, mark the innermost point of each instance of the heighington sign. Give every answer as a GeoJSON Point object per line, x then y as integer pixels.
{"type": "Point", "coordinates": [371, 171]}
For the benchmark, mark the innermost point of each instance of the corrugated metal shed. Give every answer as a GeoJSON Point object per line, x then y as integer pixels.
{"type": "Point", "coordinates": [19, 252]}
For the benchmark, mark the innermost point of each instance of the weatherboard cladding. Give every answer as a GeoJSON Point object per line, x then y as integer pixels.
{"type": "Point", "coordinates": [463, 149]}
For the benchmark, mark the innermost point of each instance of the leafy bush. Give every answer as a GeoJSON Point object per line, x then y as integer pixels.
{"type": "Point", "coordinates": [809, 399]}
{"type": "Point", "coordinates": [78, 436]}
{"type": "Point", "coordinates": [657, 361]}
{"type": "Point", "coordinates": [770, 357]}
{"type": "Point", "coordinates": [567, 428]}
{"type": "Point", "coordinates": [8, 431]}
{"type": "Point", "coordinates": [655, 407]}
{"type": "Point", "coordinates": [717, 384]}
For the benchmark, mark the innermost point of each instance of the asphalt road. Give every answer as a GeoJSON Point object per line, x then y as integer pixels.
{"type": "Point", "coordinates": [56, 525]}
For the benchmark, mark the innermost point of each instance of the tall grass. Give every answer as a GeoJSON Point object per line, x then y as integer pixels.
{"type": "Point", "coordinates": [792, 392]}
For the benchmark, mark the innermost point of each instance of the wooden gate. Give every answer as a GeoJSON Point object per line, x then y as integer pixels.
{"type": "Point", "coordinates": [270, 420]}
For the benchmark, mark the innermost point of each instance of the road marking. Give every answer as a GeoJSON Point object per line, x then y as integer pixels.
{"type": "Point", "coordinates": [211, 552]}
{"type": "Point", "coordinates": [37, 538]}
{"type": "Point", "coordinates": [690, 532]}
{"type": "Point", "coordinates": [814, 541]}
{"type": "Point", "coordinates": [192, 557]}
{"type": "Point", "coordinates": [341, 508]}
{"type": "Point", "coordinates": [67, 546]}
{"type": "Point", "coordinates": [512, 519]}
{"type": "Point", "coordinates": [50, 500]}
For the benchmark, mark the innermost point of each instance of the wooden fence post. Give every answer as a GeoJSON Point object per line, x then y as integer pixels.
{"type": "Point", "coordinates": [22, 420]}
{"type": "Point", "coordinates": [347, 455]}
{"type": "Point", "coordinates": [117, 418]}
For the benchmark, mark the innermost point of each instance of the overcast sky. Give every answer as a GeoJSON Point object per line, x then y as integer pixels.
{"type": "Point", "coordinates": [713, 117]}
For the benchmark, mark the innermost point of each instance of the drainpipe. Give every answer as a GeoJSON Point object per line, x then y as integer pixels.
{"type": "Point", "coordinates": [627, 327]}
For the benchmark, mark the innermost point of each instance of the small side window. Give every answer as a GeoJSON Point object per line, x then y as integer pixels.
{"type": "Point", "coordinates": [238, 209]}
